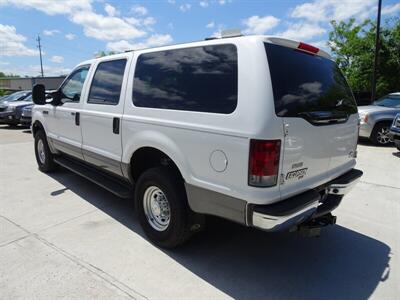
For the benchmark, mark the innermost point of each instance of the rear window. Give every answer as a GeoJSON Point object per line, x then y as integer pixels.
{"type": "Point", "coordinates": [201, 79]}
{"type": "Point", "coordinates": [303, 83]}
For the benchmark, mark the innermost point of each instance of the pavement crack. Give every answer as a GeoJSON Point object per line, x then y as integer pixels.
{"type": "Point", "coordinates": [94, 270]}
{"type": "Point", "coordinates": [68, 220]}
{"type": "Point", "coordinates": [15, 224]}
{"type": "Point", "coordinates": [14, 241]}
{"type": "Point", "coordinates": [381, 185]}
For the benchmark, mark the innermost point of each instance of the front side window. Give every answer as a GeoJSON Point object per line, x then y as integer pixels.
{"type": "Point", "coordinates": [201, 79]}
{"type": "Point", "coordinates": [72, 87]}
{"type": "Point", "coordinates": [107, 82]}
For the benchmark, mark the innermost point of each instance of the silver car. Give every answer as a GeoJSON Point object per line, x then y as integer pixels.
{"type": "Point", "coordinates": [376, 119]}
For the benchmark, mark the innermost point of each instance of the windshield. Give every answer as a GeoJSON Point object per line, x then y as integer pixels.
{"type": "Point", "coordinates": [17, 96]}
{"type": "Point", "coordinates": [307, 84]}
{"type": "Point", "coordinates": [389, 101]}
{"type": "Point", "coordinates": [28, 99]}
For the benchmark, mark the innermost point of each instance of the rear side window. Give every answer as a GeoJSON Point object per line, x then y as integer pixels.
{"type": "Point", "coordinates": [202, 79]}
{"type": "Point", "coordinates": [107, 82]}
{"type": "Point", "coordinates": [303, 83]}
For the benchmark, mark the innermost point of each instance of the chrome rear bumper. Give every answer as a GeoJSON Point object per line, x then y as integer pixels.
{"type": "Point", "coordinates": [300, 208]}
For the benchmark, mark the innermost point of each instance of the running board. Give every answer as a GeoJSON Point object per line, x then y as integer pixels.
{"type": "Point", "coordinates": [113, 185]}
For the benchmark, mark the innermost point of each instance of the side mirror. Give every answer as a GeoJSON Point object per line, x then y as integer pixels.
{"type": "Point", "coordinates": [39, 94]}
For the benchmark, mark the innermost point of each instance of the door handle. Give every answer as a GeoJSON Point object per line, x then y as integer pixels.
{"type": "Point", "coordinates": [116, 125]}
{"type": "Point", "coordinates": [77, 118]}
{"type": "Point", "coordinates": [45, 112]}
{"type": "Point", "coordinates": [72, 114]}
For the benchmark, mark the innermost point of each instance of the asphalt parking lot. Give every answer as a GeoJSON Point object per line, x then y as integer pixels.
{"type": "Point", "coordinates": [63, 237]}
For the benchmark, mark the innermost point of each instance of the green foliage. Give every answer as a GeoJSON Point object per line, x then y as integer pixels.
{"type": "Point", "coordinates": [353, 45]}
{"type": "Point", "coordinates": [2, 74]}
{"type": "Point", "coordinates": [104, 53]}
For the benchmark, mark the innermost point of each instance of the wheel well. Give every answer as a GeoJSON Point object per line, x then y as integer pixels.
{"type": "Point", "coordinates": [148, 157]}
{"type": "Point", "coordinates": [36, 127]}
{"type": "Point", "coordinates": [382, 122]}
{"type": "Point", "coordinates": [386, 122]}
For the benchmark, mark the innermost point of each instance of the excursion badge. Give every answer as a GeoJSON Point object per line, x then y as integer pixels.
{"type": "Point", "coordinates": [299, 174]}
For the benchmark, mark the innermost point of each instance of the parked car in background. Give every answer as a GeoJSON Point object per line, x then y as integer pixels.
{"type": "Point", "coordinates": [10, 111]}
{"type": "Point", "coordinates": [26, 116]}
{"type": "Point", "coordinates": [395, 131]}
{"type": "Point", "coordinates": [376, 119]}
{"type": "Point", "coordinates": [20, 95]}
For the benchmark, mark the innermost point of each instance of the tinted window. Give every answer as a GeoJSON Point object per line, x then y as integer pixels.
{"type": "Point", "coordinates": [303, 83]}
{"type": "Point", "coordinates": [202, 79]}
{"type": "Point", "coordinates": [16, 96]}
{"type": "Point", "coordinates": [107, 82]}
{"type": "Point", "coordinates": [389, 101]}
{"type": "Point", "coordinates": [72, 87]}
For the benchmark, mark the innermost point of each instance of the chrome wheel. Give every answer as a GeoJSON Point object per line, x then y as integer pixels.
{"type": "Point", "coordinates": [40, 151]}
{"type": "Point", "coordinates": [382, 136]}
{"type": "Point", "coordinates": [156, 208]}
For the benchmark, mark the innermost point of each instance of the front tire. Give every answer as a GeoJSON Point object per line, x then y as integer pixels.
{"type": "Point", "coordinates": [161, 207]}
{"type": "Point", "coordinates": [380, 134]}
{"type": "Point", "coordinates": [44, 157]}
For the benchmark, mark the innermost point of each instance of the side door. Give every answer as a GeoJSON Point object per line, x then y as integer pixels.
{"type": "Point", "coordinates": [101, 115]}
{"type": "Point", "coordinates": [65, 119]}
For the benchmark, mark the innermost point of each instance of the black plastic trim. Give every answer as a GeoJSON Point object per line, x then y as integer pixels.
{"type": "Point", "coordinates": [288, 206]}
{"type": "Point", "coordinates": [108, 182]}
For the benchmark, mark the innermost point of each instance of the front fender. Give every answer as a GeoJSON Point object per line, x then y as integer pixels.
{"type": "Point", "coordinates": [382, 117]}
{"type": "Point", "coordinates": [37, 116]}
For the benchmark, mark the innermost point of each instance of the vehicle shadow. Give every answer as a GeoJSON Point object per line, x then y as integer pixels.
{"type": "Point", "coordinates": [397, 154]}
{"type": "Point", "coordinates": [246, 263]}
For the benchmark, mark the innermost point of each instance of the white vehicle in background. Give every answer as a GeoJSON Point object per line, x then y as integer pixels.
{"type": "Point", "coordinates": [254, 129]}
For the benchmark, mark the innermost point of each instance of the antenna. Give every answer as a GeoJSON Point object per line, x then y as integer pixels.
{"type": "Point", "coordinates": [40, 53]}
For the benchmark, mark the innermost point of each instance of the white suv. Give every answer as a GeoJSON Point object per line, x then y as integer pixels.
{"type": "Point", "coordinates": [258, 130]}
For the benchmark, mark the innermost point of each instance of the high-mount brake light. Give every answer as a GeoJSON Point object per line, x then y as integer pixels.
{"type": "Point", "coordinates": [308, 48]}
{"type": "Point", "coordinates": [264, 162]}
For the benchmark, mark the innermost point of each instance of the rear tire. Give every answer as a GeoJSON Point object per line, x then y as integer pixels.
{"type": "Point", "coordinates": [380, 134]}
{"type": "Point", "coordinates": [44, 157]}
{"type": "Point", "coordinates": [161, 207]}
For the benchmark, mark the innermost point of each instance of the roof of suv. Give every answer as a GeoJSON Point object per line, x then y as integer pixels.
{"type": "Point", "coordinates": [270, 39]}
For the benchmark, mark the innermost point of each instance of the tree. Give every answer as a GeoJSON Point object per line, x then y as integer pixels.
{"type": "Point", "coordinates": [104, 53]}
{"type": "Point", "coordinates": [2, 74]}
{"type": "Point", "coordinates": [352, 45]}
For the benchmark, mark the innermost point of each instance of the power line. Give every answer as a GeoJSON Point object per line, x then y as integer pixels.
{"type": "Point", "coordinates": [40, 53]}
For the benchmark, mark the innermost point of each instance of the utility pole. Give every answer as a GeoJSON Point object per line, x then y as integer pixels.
{"type": "Point", "coordinates": [40, 53]}
{"type": "Point", "coordinates": [377, 46]}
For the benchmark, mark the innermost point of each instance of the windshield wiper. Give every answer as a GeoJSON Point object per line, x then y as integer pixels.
{"type": "Point", "coordinates": [324, 117]}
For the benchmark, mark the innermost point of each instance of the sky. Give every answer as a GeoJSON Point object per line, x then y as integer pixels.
{"type": "Point", "coordinates": [75, 30]}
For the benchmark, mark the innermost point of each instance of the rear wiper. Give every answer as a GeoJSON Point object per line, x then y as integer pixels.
{"type": "Point", "coordinates": [324, 117]}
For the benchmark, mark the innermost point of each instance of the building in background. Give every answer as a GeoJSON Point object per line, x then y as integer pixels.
{"type": "Point", "coordinates": [19, 83]}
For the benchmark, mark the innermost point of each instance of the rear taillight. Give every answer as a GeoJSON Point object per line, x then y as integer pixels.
{"type": "Point", "coordinates": [264, 162]}
{"type": "Point", "coordinates": [308, 48]}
